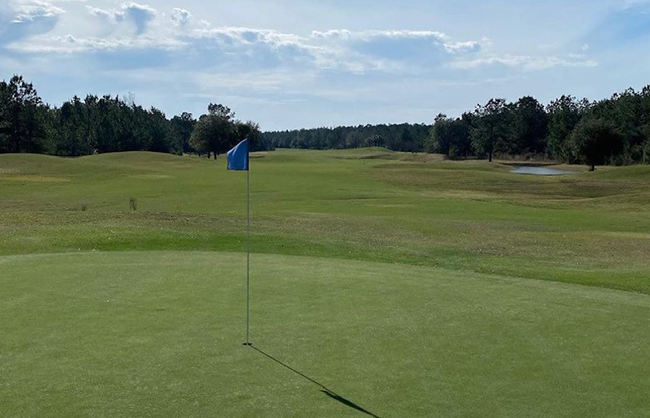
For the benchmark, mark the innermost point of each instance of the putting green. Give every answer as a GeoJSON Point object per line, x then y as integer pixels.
{"type": "Point", "coordinates": [158, 334]}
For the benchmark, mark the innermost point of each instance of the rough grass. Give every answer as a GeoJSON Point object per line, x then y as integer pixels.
{"type": "Point", "coordinates": [587, 228]}
{"type": "Point", "coordinates": [404, 284]}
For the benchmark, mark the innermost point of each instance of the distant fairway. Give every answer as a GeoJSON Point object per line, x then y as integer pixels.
{"type": "Point", "coordinates": [404, 285]}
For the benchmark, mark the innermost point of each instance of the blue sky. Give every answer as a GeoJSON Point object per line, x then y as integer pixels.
{"type": "Point", "coordinates": [292, 64]}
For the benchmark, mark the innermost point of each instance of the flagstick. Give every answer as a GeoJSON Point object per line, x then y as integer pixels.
{"type": "Point", "coordinates": [248, 255]}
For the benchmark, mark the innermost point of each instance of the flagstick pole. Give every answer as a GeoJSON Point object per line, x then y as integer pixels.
{"type": "Point", "coordinates": [248, 255]}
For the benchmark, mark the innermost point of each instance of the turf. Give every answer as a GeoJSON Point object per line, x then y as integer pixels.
{"type": "Point", "coordinates": [400, 284]}
{"type": "Point", "coordinates": [159, 334]}
{"type": "Point", "coordinates": [372, 205]}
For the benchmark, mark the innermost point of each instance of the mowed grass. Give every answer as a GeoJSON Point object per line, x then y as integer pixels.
{"type": "Point", "coordinates": [159, 334]}
{"type": "Point", "coordinates": [372, 205]}
{"type": "Point", "coordinates": [402, 284]}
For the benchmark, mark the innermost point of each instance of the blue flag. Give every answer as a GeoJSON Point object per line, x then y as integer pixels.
{"type": "Point", "coordinates": [238, 157]}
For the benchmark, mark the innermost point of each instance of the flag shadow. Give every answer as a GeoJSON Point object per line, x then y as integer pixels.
{"type": "Point", "coordinates": [330, 393]}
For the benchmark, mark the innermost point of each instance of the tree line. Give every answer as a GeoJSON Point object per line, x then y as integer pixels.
{"type": "Point", "coordinates": [609, 131]}
{"type": "Point", "coordinates": [403, 137]}
{"type": "Point", "coordinates": [111, 124]}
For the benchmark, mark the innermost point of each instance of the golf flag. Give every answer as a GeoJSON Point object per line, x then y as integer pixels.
{"type": "Point", "coordinates": [238, 160]}
{"type": "Point", "coordinates": [238, 157]}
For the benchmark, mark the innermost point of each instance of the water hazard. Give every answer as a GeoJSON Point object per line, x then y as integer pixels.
{"type": "Point", "coordinates": [540, 171]}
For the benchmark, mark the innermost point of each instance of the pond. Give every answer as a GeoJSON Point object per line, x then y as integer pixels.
{"type": "Point", "coordinates": [540, 171]}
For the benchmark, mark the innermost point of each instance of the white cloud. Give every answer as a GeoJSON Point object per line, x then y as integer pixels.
{"type": "Point", "coordinates": [369, 35]}
{"type": "Point", "coordinates": [376, 42]}
{"type": "Point", "coordinates": [463, 47]}
{"type": "Point", "coordinates": [237, 36]}
{"type": "Point", "coordinates": [27, 18]}
{"type": "Point", "coordinates": [406, 52]}
{"type": "Point", "coordinates": [138, 15]}
{"type": "Point", "coordinates": [33, 10]}
{"type": "Point", "coordinates": [356, 52]}
{"type": "Point", "coordinates": [351, 51]}
{"type": "Point", "coordinates": [70, 44]}
{"type": "Point", "coordinates": [389, 50]}
{"type": "Point", "coordinates": [181, 17]}
{"type": "Point", "coordinates": [526, 62]}
{"type": "Point", "coordinates": [101, 13]}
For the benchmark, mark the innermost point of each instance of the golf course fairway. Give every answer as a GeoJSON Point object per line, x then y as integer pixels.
{"type": "Point", "coordinates": [383, 284]}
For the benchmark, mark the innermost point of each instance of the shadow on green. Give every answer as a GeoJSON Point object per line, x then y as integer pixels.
{"type": "Point", "coordinates": [324, 389]}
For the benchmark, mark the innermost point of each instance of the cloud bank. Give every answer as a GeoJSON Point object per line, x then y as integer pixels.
{"type": "Point", "coordinates": [133, 26]}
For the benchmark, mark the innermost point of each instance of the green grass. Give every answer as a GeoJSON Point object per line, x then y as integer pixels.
{"type": "Point", "coordinates": [408, 285]}
{"type": "Point", "coordinates": [588, 228]}
{"type": "Point", "coordinates": [159, 334]}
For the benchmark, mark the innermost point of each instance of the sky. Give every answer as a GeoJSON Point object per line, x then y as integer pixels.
{"type": "Point", "coordinates": [297, 64]}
